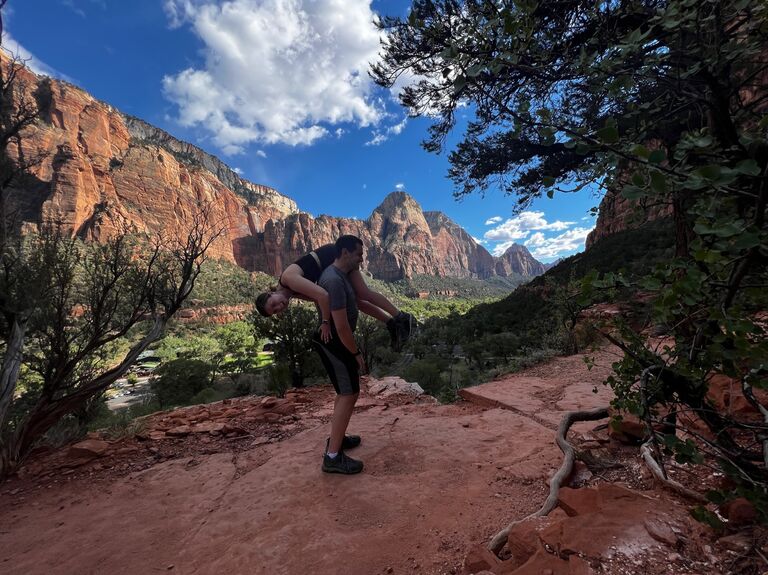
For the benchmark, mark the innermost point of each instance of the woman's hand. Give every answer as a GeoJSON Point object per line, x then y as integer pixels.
{"type": "Point", "coordinates": [325, 332]}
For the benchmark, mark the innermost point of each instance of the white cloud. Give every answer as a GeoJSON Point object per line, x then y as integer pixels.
{"type": "Point", "coordinates": [478, 241]}
{"type": "Point", "coordinates": [380, 136]}
{"type": "Point", "coordinates": [238, 171]}
{"type": "Point", "coordinates": [493, 220]}
{"type": "Point", "coordinates": [71, 5]}
{"type": "Point", "coordinates": [340, 132]}
{"type": "Point", "coordinates": [12, 47]}
{"type": "Point", "coordinates": [499, 249]}
{"type": "Point", "coordinates": [550, 248]}
{"type": "Point", "coordinates": [376, 140]}
{"type": "Point", "coordinates": [399, 186]}
{"type": "Point", "coordinates": [276, 71]}
{"type": "Point", "coordinates": [261, 153]}
{"type": "Point", "coordinates": [520, 227]}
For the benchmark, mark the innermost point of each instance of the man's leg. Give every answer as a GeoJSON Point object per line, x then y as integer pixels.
{"type": "Point", "coordinates": [342, 412]}
{"type": "Point", "coordinates": [342, 369]}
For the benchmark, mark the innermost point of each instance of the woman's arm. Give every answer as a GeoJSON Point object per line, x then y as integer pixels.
{"type": "Point", "coordinates": [293, 278]}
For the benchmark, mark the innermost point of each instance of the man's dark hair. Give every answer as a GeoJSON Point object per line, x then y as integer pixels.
{"type": "Point", "coordinates": [348, 243]}
{"type": "Point", "coordinates": [261, 303]}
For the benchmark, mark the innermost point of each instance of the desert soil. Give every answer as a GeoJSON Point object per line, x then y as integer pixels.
{"type": "Point", "coordinates": [249, 497]}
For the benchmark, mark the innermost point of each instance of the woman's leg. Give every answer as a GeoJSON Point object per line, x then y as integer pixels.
{"type": "Point", "coordinates": [365, 293]}
{"type": "Point", "coordinates": [376, 312]}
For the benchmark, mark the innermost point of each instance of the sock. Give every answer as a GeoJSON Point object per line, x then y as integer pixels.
{"type": "Point", "coordinates": [332, 455]}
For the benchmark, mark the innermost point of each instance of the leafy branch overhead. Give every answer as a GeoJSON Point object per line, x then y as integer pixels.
{"type": "Point", "coordinates": [561, 93]}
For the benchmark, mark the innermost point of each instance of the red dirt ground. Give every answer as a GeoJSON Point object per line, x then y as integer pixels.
{"type": "Point", "coordinates": [248, 497]}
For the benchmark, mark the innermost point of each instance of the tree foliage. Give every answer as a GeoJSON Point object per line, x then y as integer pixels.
{"type": "Point", "coordinates": [291, 334]}
{"type": "Point", "coordinates": [64, 304]}
{"type": "Point", "coordinates": [661, 101]}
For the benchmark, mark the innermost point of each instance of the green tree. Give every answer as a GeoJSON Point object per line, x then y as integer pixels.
{"type": "Point", "coordinates": [662, 102]}
{"type": "Point", "coordinates": [178, 381]}
{"type": "Point", "coordinates": [64, 303]}
{"type": "Point", "coordinates": [237, 347]}
{"type": "Point", "coordinates": [291, 334]}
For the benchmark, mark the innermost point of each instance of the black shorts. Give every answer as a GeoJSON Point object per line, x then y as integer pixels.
{"type": "Point", "coordinates": [340, 364]}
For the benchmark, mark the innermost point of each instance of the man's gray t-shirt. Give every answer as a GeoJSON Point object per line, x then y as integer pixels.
{"type": "Point", "coordinates": [340, 293]}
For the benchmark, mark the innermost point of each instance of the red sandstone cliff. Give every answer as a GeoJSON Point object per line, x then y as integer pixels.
{"type": "Point", "coordinates": [618, 213]}
{"type": "Point", "coordinates": [103, 170]}
{"type": "Point", "coordinates": [518, 260]}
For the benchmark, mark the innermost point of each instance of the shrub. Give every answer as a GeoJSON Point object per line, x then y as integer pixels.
{"type": "Point", "coordinates": [178, 381]}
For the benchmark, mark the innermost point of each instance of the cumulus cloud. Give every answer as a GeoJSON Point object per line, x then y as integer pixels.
{"type": "Point", "coordinates": [261, 153]}
{"type": "Point", "coordinates": [399, 186]}
{"type": "Point", "coordinates": [238, 171]}
{"type": "Point", "coordinates": [521, 226]}
{"type": "Point", "coordinates": [380, 136]}
{"type": "Point", "coordinates": [499, 249]}
{"type": "Point", "coordinates": [276, 71]}
{"type": "Point", "coordinates": [493, 220]}
{"type": "Point", "coordinates": [542, 247]}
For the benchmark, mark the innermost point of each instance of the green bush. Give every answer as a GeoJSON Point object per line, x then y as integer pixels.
{"type": "Point", "coordinates": [178, 381]}
{"type": "Point", "coordinates": [278, 379]}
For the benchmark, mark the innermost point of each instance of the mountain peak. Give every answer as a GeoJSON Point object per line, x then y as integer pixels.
{"type": "Point", "coordinates": [518, 260]}
{"type": "Point", "coordinates": [396, 201]}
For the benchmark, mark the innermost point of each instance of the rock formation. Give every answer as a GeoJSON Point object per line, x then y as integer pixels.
{"type": "Point", "coordinates": [104, 171]}
{"type": "Point", "coordinates": [518, 260]}
{"type": "Point", "coordinates": [618, 213]}
{"type": "Point", "coordinates": [400, 241]}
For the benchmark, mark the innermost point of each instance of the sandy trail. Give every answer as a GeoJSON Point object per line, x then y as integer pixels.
{"type": "Point", "coordinates": [438, 480]}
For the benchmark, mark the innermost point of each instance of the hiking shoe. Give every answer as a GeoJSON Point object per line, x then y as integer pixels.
{"type": "Point", "coordinates": [405, 326]}
{"type": "Point", "coordinates": [342, 463]}
{"type": "Point", "coordinates": [349, 442]}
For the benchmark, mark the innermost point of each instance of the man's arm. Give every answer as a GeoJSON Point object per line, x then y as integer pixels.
{"type": "Point", "coordinates": [345, 335]}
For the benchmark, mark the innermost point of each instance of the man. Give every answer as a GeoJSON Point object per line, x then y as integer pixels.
{"type": "Point", "coordinates": [341, 357]}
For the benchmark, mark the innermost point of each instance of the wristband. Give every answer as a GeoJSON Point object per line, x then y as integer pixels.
{"type": "Point", "coordinates": [324, 321]}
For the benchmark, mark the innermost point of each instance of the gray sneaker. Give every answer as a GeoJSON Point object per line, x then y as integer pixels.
{"type": "Point", "coordinates": [406, 325]}
{"type": "Point", "coordinates": [349, 442]}
{"type": "Point", "coordinates": [395, 340]}
{"type": "Point", "coordinates": [342, 463]}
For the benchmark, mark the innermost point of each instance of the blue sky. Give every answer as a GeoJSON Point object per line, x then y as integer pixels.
{"type": "Point", "coordinates": [278, 89]}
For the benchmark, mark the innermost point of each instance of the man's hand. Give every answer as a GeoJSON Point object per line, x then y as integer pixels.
{"type": "Point", "coordinates": [325, 332]}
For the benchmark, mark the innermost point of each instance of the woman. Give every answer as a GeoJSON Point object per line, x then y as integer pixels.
{"type": "Point", "coordinates": [298, 280]}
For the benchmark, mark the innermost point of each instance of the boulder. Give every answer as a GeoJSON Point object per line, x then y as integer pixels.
{"type": "Point", "coordinates": [179, 431]}
{"type": "Point", "coordinates": [88, 449]}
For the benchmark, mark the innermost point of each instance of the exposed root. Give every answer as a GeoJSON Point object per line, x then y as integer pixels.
{"type": "Point", "coordinates": [498, 541]}
{"type": "Point", "coordinates": [675, 486]}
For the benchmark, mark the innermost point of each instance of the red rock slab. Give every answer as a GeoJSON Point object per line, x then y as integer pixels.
{"type": "Point", "coordinates": [515, 392]}
{"type": "Point", "coordinates": [426, 496]}
{"type": "Point", "coordinates": [580, 395]}
{"type": "Point", "coordinates": [609, 519]}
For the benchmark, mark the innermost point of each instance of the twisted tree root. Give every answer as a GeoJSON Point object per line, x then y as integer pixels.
{"type": "Point", "coordinates": [498, 541]}
{"type": "Point", "coordinates": [675, 486]}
